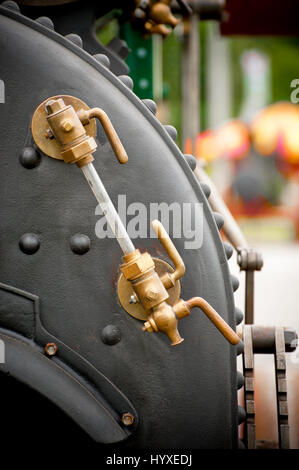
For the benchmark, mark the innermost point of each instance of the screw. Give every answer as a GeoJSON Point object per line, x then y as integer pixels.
{"type": "Point", "coordinates": [51, 349]}
{"type": "Point", "coordinates": [127, 419]}
{"type": "Point", "coordinates": [49, 134]}
{"type": "Point", "coordinates": [133, 299]}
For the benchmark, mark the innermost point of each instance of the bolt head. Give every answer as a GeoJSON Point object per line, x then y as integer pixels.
{"type": "Point", "coordinates": [51, 349]}
{"type": "Point", "coordinates": [67, 126]}
{"type": "Point", "coordinates": [127, 419]}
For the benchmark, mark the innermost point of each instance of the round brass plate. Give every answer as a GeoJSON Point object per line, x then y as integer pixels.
{"type": "Point", "coordinates": [39, 125]}
{"type": "Point", "coordinates": [125, 290]}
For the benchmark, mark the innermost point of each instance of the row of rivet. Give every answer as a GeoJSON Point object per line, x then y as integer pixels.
{"type": "Point", "coordinates": [29, 243]}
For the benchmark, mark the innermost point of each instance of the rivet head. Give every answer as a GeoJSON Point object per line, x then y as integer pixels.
{"type": "Point", "coordinates": [51, 349]}
{"type": "Point", "coordinates": [29, 243]}
{"type": "Point", "coordinates": [29, 157]}
{"type": "Point", "coordinates": [111, 335]}
{"type": "Point", "coordinates": [80, 244]}
{"type": "Point", "coordinates": [127, 419]}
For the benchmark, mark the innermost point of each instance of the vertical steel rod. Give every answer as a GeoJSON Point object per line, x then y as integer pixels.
{"type": "Point", "coordinates": [108, 208]}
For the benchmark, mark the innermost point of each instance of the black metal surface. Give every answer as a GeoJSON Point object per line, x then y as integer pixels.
{"type": "Point", "coordinates": [184, 396]}
{"type": "Point", "coordinates": [79, 18]}
{"type": "Point", "coordinates": [27, 362]}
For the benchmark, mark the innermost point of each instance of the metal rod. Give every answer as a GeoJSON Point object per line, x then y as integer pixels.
{"type": "Point", "coordinates": [190, 80]}
{"type": "Point", "coordinates": [108, 208]}
{"type": "Point", "coordinates": [230, 227]}
{"type": "Point", "coordinates": [249, 297]}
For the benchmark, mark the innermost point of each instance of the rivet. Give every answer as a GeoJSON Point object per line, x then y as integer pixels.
{"type": "Point", "coordinates": [29, 157]}
{"type": "Point", "coordinates": [29, 243]}
{"type": "Point", "coordinates": [80, 243]}
{"type": "Point", "coordinates": [51, 349]}
{"type": "Point", "coordinates": [111, 335]}
{"type": "Point", "coordinates": [127, 419]}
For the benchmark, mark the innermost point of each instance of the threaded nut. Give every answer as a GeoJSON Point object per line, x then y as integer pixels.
{"type": "Point", "coordinates": [127, 419]}
{"type": "Point", "coordinates": [51, 349]}
{"type": "Point", "coordinates": [54, 106]}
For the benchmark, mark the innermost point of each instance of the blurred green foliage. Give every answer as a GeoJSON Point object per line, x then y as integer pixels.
{"type": "Point", "coordinates": [283, 53]}
{"type": "Point", "coordinates": [284, 59]}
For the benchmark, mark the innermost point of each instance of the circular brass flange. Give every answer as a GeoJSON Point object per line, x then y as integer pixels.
{"type": "Point", "coordinates": [125, 291]}
{"type": "Point", "coordinates": [40, 126]}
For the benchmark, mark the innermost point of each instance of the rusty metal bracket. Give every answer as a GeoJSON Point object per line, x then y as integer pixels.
{"type": "Point", "coordinates": [267, 340]}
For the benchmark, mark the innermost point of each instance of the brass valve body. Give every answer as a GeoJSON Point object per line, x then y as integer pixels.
{"type": "Point", "coordinates": [68, 130]}
{"type": "Point", "coordinates": [151, 293]}
{"type": "Point", "coordinates": [44, 137]}
{"type": "Point", "coordinates": [127, 296]}
{"type": "Point", "coordinates": [140, 270]}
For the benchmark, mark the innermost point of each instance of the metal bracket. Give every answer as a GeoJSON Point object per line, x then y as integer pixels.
{"type": "Point", "coordinates": [267, 340]}
{"type": "Point", "coordinates": [249, 261]}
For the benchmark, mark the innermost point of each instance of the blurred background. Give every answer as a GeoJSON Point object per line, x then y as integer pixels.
{"type": "Point", "coordinates": [246, 117]}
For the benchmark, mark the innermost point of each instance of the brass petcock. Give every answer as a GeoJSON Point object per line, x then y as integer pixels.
{"type": "Point", "coordinates": [139, 269]}
{"type": "Point", "coordinates": [152, 292]}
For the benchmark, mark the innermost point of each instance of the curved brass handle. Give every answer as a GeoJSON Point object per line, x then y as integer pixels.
{"type": "Point", "coordinates": [169, 279]}
{"type": "Point", "coordinates": [118, 148]}
{"type": "Point", "coordinates": [215, 318]}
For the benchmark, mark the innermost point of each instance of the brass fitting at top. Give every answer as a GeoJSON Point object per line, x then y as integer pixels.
{"type": "Point", "coordinates": [67, 127]}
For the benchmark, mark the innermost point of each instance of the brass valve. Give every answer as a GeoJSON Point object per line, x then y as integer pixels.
{"type": "Point", "coordinates": [151, 291]}
{"type": "Point", "coordinates": [155, 16]}
{"type": "Point", "coordinates": [66, 130]}
{"type": "Point", "coordinates": [160, 13]}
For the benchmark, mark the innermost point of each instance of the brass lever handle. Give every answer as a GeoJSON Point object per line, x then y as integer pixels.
{"type": "Point", "coordinates": [117, 146]}
{"type": "Point", "coordinates": [215, 318]}
{"type": "Point", "coordinates": [169, 279]}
